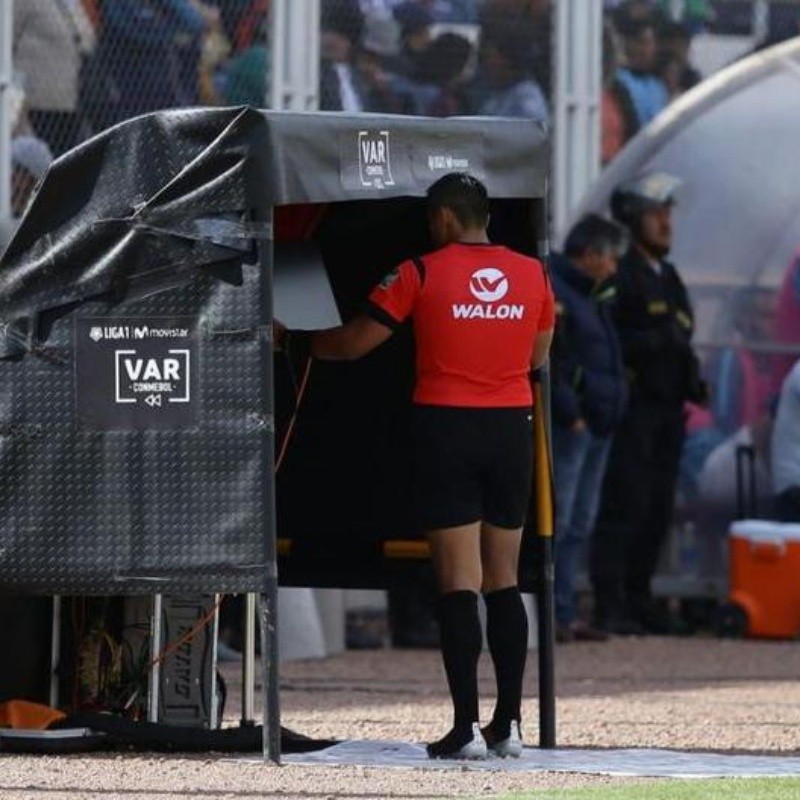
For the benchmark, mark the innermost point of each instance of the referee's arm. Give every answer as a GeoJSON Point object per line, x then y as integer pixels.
{"type": "Point", "coordinates": [350, 341]}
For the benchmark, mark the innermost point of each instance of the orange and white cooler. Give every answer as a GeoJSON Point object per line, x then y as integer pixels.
{"type": "Point", "coordinates": [765, 578]}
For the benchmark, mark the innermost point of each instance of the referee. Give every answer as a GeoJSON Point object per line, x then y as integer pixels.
{"type": "Point", "coordinates": [483, 318]}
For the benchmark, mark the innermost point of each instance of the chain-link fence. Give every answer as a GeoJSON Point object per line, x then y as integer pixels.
{"type": "Point", "coordinates": [82, 65]}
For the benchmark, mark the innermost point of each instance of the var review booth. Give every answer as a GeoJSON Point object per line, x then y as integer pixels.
{"type": "Point", "coordinates": [151, 442]}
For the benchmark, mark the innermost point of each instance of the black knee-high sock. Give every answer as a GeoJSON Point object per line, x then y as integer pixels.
{"type": "Point", "coordinates": [507, 633]}
{"type": "Point", "coordinates": [461, 648]}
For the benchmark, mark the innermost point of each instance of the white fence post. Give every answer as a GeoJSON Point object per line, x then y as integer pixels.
{"type": "Point", "coordinates": [6, 77]}
{"type": "Point", "coordinates": [295, 55]}
{"type": "Point", "coordinates": [577, 88]}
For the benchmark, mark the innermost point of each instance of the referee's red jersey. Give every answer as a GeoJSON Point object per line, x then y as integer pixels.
{"type": "Point", "coordinates": [477, 309]}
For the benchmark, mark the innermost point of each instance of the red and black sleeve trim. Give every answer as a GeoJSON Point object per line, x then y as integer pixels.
{"type": "Point", "coordinates": [420, 265]}
{"type": "Point", "coordinates": [379, 314]}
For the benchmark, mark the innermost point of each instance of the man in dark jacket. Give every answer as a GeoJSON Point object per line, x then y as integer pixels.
{"type": "Point", "coordinates": [655, 324]}
{"type": "Point", "coordinates": [589, 397]}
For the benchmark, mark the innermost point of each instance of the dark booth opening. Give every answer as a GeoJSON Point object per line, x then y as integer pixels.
{"type": "Point", "coordinates": [343, 487]}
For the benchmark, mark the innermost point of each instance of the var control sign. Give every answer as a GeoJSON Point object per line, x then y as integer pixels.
{"type": "Point", "coordinates": [136, 373]}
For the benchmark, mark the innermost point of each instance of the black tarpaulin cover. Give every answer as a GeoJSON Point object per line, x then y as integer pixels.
{"type": "Point", "coordinates": [136, 427]}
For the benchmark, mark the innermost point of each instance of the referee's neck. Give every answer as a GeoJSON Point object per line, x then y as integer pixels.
{"type": "Point", "coordinates": [474, 236]}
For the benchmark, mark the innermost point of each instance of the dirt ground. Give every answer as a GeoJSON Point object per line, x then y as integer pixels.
{"type": "Point", "coordinates": [688, 694]}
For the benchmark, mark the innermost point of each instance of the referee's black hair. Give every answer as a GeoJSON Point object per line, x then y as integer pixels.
{"type": "Point", "coordinates": [464, 195]}
{"type": "Point", "coordinates": [597, 233]}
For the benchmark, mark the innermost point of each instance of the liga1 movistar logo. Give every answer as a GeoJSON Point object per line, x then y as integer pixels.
{"type": "Point", "coordinates": [489, 285]}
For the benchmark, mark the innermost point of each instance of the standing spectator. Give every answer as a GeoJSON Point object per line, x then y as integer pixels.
{"type": "Point", "coordinates": [589, 397]}
{"type": "Point", "coordinates": [385, 91]}
{"type": "Point", "coordinates": [415, 36]}
{"type": "Point", "coordinates": [786, 450]}
{"type": "Point", "coordinates": [618, 118]}
{"type": "Point", "coordinates": [675, 41]}
{"type": "Point", "coordinates": [247, 72]}
{"type": "Point", "coordinates": [51, 39]}
{"type": "Point", "coordinates": [341, 85]}
{"type": "Point", "coordinates": [30, 159]}
{"type": "Point", "coordinates": [647, 91]}
{"type": "Point", "coordinates": [786, 323]}
{"type": "Point", "coordinates": [148, 58]}
{"type": "Point", "coordinates": [507, 63]}
{"type": "Point", "coordinates": [441, 77]}
{"type": "Point", "coordinates": [655, 323]}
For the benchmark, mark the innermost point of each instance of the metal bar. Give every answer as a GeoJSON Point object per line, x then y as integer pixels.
{"type": "Point", "coordinates": [249, 661]}
{"type": "Point", "coordinates": [312, 50]}
{"type": "Point", "coordinates": [275, 86]}
{"type": "Point", "coordinates": [268, 622]}
{"type": "Point", "coordinates": [6, 77]}
{"type": "Point", "coordinates": [215, 721]}
{"type": "Point", "coordinates": [268, 597]}
{"type": "Point", "coordinates": [55, 650]}
{"type": "Point", "coordinates": [545, 604]}
{"type": "Point", "coordinates": [154, 687]}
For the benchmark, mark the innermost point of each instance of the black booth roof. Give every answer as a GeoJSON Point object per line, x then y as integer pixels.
{"type": "Point", "coordinates": [158, 196]}
{"type": "Point", "coordinates": [330, 157]}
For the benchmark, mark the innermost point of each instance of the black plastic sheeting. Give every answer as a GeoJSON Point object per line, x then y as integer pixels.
{"type": "Point", "coordinates": [136, 404]}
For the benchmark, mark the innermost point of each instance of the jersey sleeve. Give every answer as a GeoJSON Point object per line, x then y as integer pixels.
{"type": "Point", "coordinates": [547, 319]}
{"type": "Point", "coordinates": [392, 301]}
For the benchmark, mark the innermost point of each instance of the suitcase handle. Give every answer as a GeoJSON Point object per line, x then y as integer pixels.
{"type": "Point", "coordinates": [746, 506]}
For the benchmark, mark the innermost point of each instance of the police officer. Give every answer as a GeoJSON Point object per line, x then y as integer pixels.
{"type": "Point", "coordinates": [655, 323]}
{"type": "Point", "coordinates": [483, 317]}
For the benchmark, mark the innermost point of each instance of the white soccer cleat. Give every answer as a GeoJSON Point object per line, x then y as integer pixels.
{"type": "Point", "coordinates": [511, 746]}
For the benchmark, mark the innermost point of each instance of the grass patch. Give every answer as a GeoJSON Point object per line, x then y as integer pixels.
{"type": "Point", "coordinates": [717, 789]}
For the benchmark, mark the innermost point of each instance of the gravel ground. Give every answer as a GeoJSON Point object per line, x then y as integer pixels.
{"type": "Point", "coordinates": [690, 694]}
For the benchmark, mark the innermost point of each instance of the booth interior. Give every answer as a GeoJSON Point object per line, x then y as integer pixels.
{"type": "Point", "coordinates": [343, 484]}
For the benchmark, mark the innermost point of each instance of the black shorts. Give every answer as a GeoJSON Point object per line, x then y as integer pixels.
{"type": "Point", "coordinates": [471, 464]}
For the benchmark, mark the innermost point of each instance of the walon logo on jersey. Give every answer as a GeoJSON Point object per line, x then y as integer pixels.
{"type": "Point", "coordinates": [374, 159]}
{"type": "Point", "coordinates": [489, 285]}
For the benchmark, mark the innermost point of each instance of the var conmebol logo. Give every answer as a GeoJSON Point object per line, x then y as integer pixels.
{"type": "Point", "coordinates": [489, 285]}
{"type": "Point", "coordinates": [374, 159]}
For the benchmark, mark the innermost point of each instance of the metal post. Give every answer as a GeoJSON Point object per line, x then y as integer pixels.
{"type": "Point", "coordinates": [545, 604]}
{"type": "Point", "coordinates": [275, 86]}
{"type": "Point", "coordinates": [268, 598]}
{"type": "Point", "coordinates": [55, 650]}
{"type": "Point", "coordinates": [215, 720]}
{"type": "Point", "coordinates": [312, 51]}
{"type": "Point", "coordinates": [761, 15]}
{"type": "Point", "coordinates": [577, 70]}
{"type": "Point", "coordinates": [154, 687]}
{"type": "Point", "coordinates": [249, 661]}
{"type": "Point", "coordinates": [296, 54]}
{"type": "Point", "coordinates": [268, 622]}
{"type": "Point", "coordinates": [6, 76]}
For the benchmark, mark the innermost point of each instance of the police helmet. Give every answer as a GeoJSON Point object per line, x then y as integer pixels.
{"type": "Point", "coordinates": [644, 193]}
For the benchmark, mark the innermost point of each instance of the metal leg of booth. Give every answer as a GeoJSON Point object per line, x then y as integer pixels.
{"type": "Point", "coordinates": [268, 625]}
{"type": "Point", "coordinates": [545, 611]}
{"type": "Point", "coordinates": [545, 604]}
{"type": "Point", "coordinates": [154, 684]}
{"type": "Point", "coordinates": [249, 661]}
{"type": "Point", "coordinates": [55, 650]}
